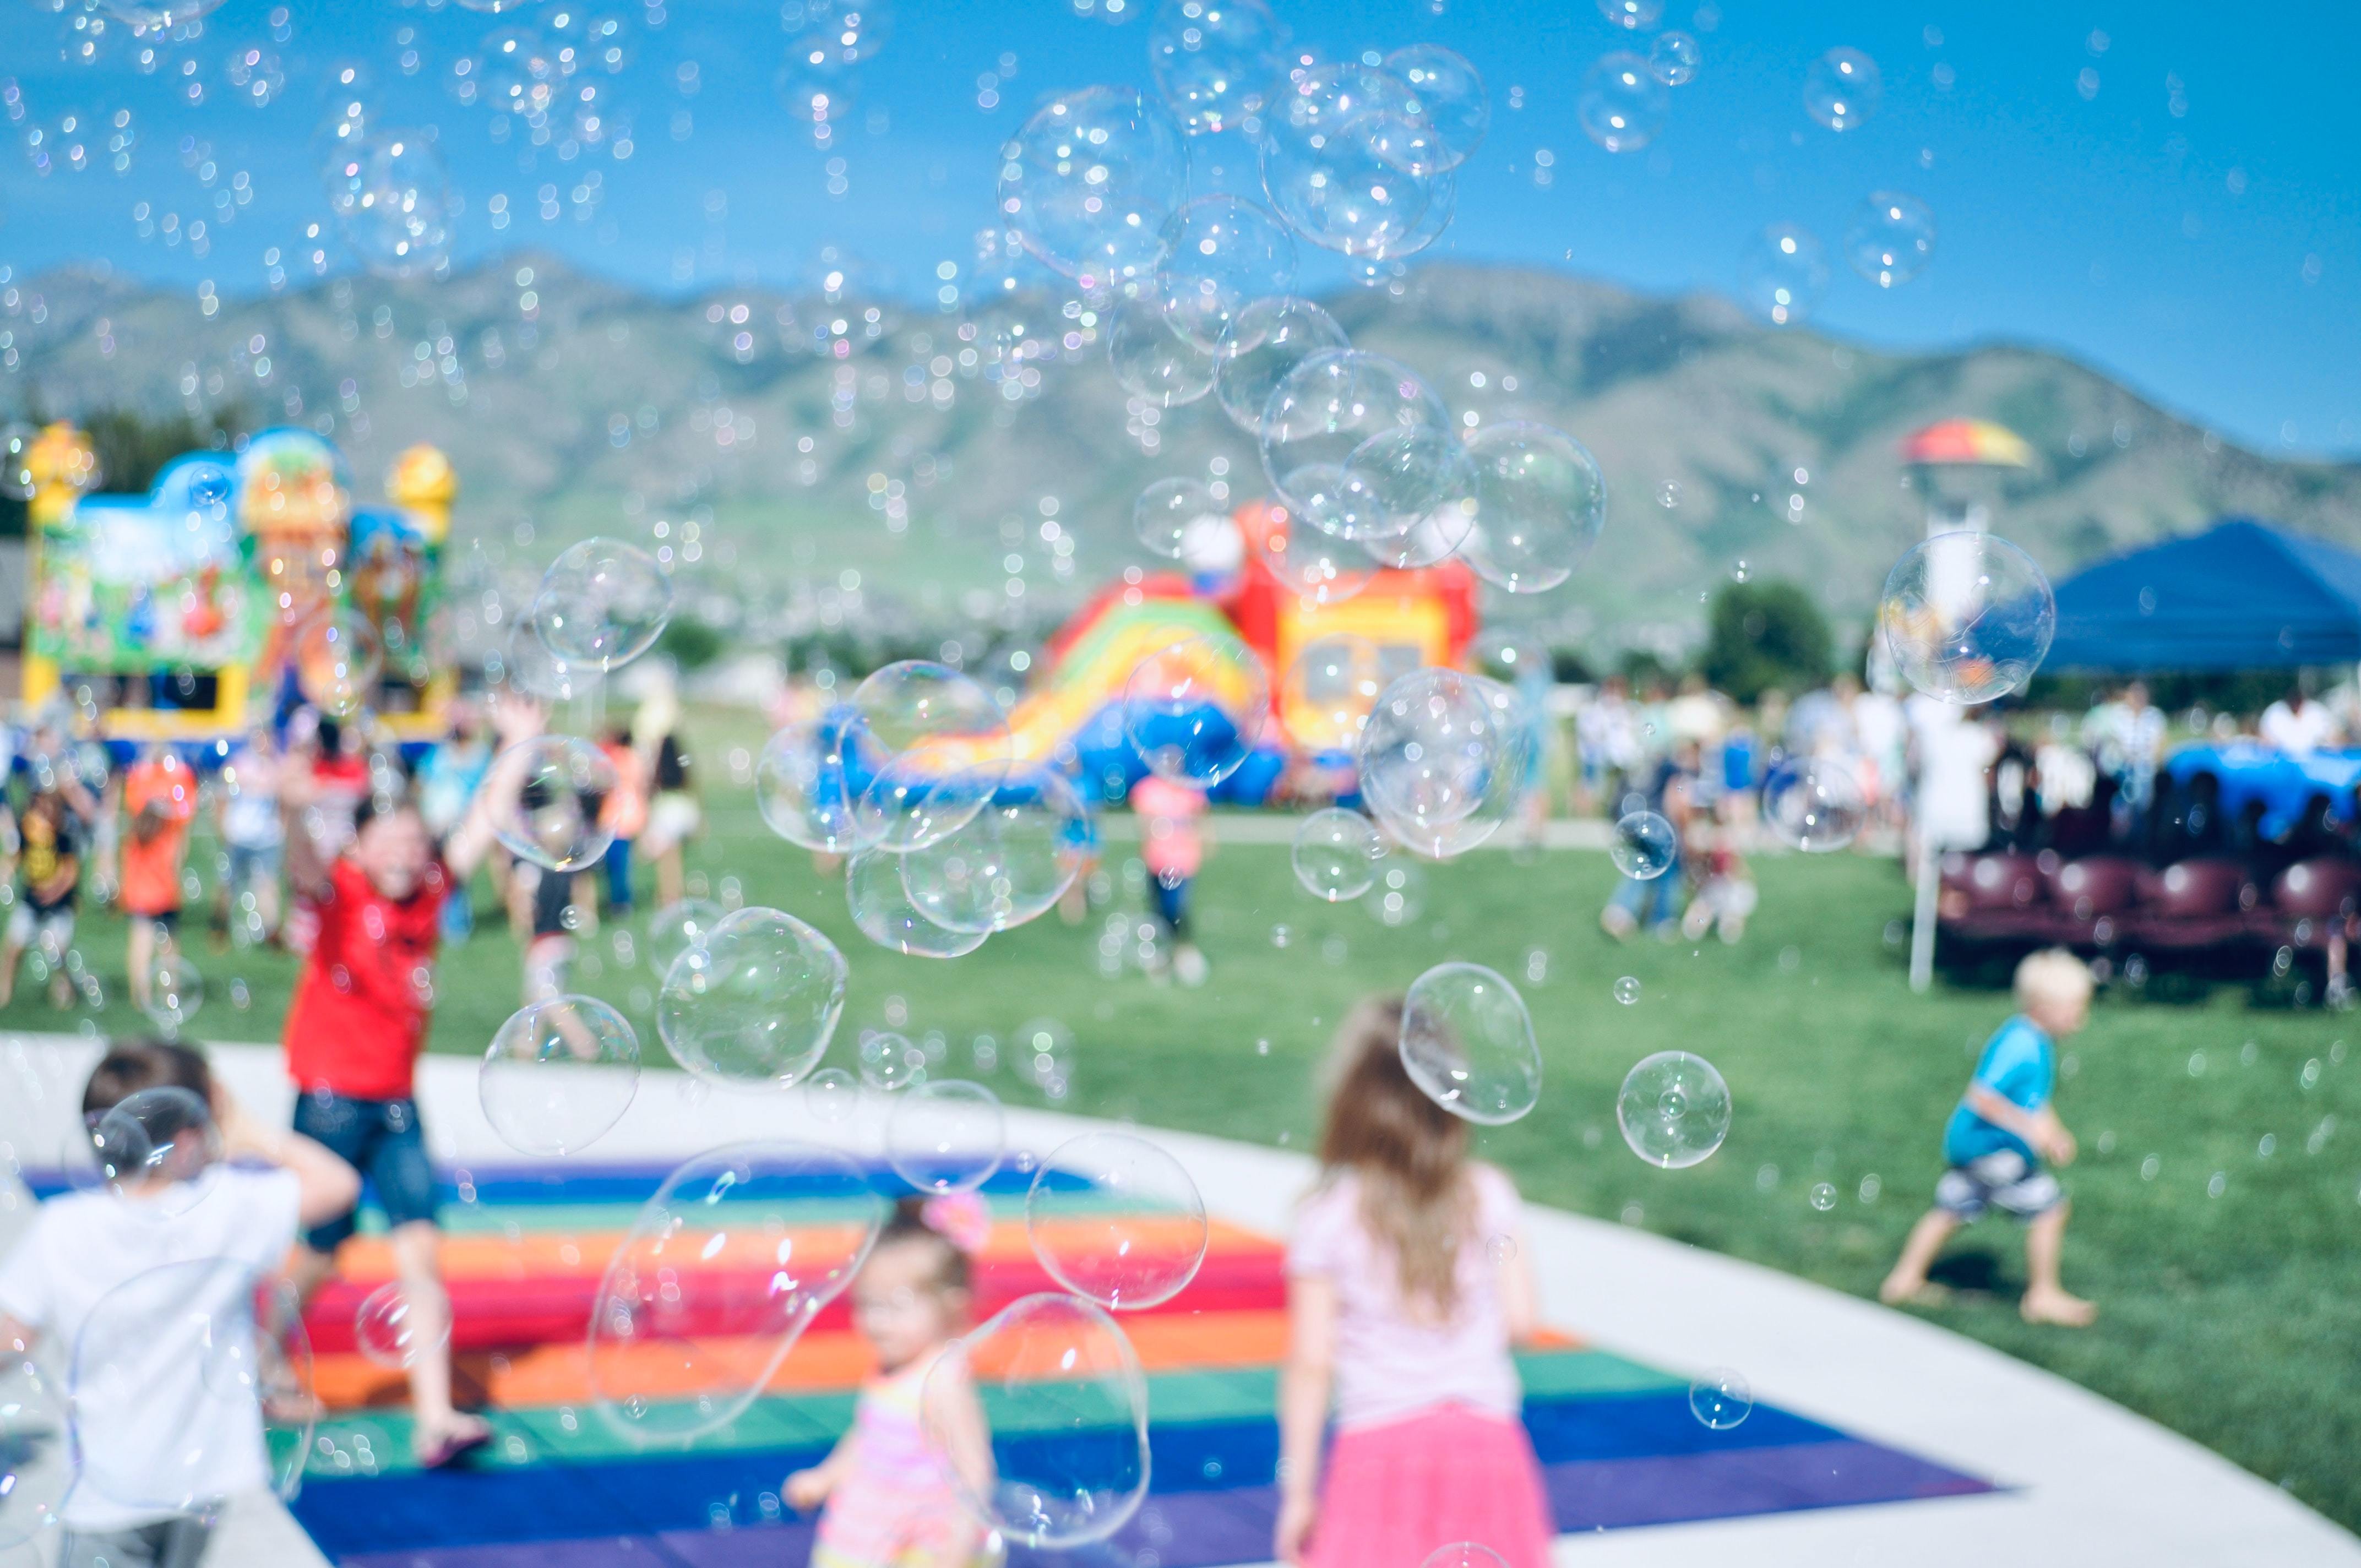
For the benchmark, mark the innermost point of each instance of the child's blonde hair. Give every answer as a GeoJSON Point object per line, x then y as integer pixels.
{"type": "Point", "coordinates": [1409, 1152]}
{"type": "Point", "coordinates": [2053, 975]}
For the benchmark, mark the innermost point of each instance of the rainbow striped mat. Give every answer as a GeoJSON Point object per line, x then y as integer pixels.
{"type": "Point", "coordinates": [526, 1249]}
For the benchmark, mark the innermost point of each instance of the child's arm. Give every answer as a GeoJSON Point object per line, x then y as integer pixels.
{"type": "Point", "coordinates": [2041, 1128]}
{"type": "Point", "coordinates": [1305, 1379]}
{"type": "Point", "coordinates": [966, 1440]}
{"type": "Point", "coordinates": [1521, 1307]}
{"type": "Point", "coordinates": [808, 1490]}
{"type": "Point", "coordinates": [518, 720]}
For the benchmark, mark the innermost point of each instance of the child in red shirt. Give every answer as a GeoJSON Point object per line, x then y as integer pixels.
{"type": "Point", "coordinates": [159, 796]}
{"type": "Point", "coordinates": [354, 1031]}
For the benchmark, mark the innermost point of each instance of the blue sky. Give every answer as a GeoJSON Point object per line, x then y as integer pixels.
{"type": "Point", "coordinates": [2211, 257]}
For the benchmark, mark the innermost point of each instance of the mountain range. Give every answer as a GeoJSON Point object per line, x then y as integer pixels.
{"type": "Point", "coordinates": [783, 442]}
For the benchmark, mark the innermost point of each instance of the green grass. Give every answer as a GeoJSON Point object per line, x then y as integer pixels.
{"type": "Point", "coordinates": [2230, 1318]}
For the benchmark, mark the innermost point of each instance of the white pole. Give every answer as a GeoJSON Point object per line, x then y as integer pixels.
{"type": "Point", "coordinates": [1922, 920]}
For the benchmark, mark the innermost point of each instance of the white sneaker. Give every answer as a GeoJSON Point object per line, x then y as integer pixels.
{"type": "Point", "coordinates": [1189, 967]}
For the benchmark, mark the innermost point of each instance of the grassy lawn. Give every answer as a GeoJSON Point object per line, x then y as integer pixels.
{"type": "Point", "coordinates": [2215, 1205]}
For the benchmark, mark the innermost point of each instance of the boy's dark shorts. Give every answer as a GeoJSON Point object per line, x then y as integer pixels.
{"type": "Point", "coordinates": [380, 1139]}
{"type": "Point", "coordinates": [2004, 1179]}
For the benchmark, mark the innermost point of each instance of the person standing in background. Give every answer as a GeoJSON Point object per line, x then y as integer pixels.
{"type": "Point", "coordinates": [624, 815]}
{"type": "Point", "coordinates": [52, 829]}
{"type": "Point", "coordinates": [2296, 725]}
{"type": "Point", "coordinates": [256, 833]}
{"type": "Point", "coordinates": [447, 781]}
{"type": "Point", "coordinates": [160, 801]}
{"type": "Point", "coordinates": [1172, 845]}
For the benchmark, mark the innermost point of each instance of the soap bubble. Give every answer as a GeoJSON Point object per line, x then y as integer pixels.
{"type": "Point", "coordinates": [1314, 566]}
{"type": "Point", "coordinates": [1336, 853]}
{"type": "Point", "coordinates": [1220, 254]}
{"type": "Point", "coordinates": [1398, 896]}
{"type": "Point", "coordinates": [1216, 60]}
{"type": "Point", "coordinates": [1011, 864]}
{"type": "Point", "coordinates": [883, 909]}
{"type": "Point", "coordinates": [390, 1334]}
{"type": "Point", "coordinates": [719, 1274]}
{"type": "Point", "coordinates": [1117, 1219]}
{"type": "Point", "coordinates": [1153, 360]}
{"type": "Point", "coordinates": [1341, 154]}
{"type": "Point", "coordinates": [146, 1435]}
{"type": "Point", "coordinates": [1627, 990]}
{"type": "Point", "coordinates": [339, 658]}
{"type": "Point", "coordinates": [1673, 58]}
{"type": "Point", "coordinates": [1467, 1042]}
{"type": "Point", "coordinates": [1818, 807]}
{"type": "Point", "coordinates": [1319, 418]}
{"type": "Point", "coordinates": [946, 1137]}
{"type": "Point", "coordinates": [554, 818]}
{"type": "Point", "coordinates": [1193, 710]}
{"type": "Point", "coordinates": [1722, 1398]}
{"type": "Point", "coordinates": [392, 197]}
{"type": "Point", "coordinates": [558, 1074]}
{"type": "Point", "coordinates": [1632, 14]}
{"type": "Point", "coordinates": [521, 74]}
{"type": "Point", "coordinates": [1644, 846]}
{"type": "Point", "coordinates": [1842, 89]}
{"type": "Point", "coordinates": [801, 788]}
{"type": "Point", "coordinates": [1541, 502]}
{"type": "Point", "coordinates": [927, 748]}
{"type": "Point", "coordinates": [17, 439]}
{"type": "Point", "coordinates": [1267, 340]}
{"type": "Point", "coordinates": [889, 1061]}
{"type": "Point", "coordinates": [1088, 183]}
{"type": "Point", "coordinates": [830, 1094]}
{"type": "Point", "coordinates": [1782, 274]}
{"type": "Point", "coordinates": [1891, 238]}
{"type": "Point", "coordinates": [1329, 691]}
{"type": "Point", "coordinates": [1674, 1109]}
{"type": "Point", "coordinates": [1442, 748]}
{"type": "Point", "coordinates": [1623, 106]}
{"type": "Point", "coordinates": [176, 992]}
{"type": "Point", "coordinates": [603, 603]}
{"type": "Point", "coordinates": [830, 36]}
{"type": "Point", "coordinates": [1465, 1554]}
{"type": "Point", "coordinates": [1431, 541]}
{"type": "Point", "coordinates": [1058, 1391]}
{"type": "Point", "coordinates": [1168, 511]}
{"type": "Point", "coordinates": [34, 1469]}
{"type": "Point", "coordinates": [1451, 92]}
{"type": "Point", "coordinates": [1044, 1050]}
{"type": "Point", "coordinates": [159, 1142]}
{"type": "Point", "coordinates": [530, 667]}
{"type": "Point", "coordinates": [753, 1005]}
{"type": "Point", "coordinates": [1967, 616]}
{"type": "Point", "coordinates": [678, 926]}
{"type": "Point", "coordinates": [1398, 479]}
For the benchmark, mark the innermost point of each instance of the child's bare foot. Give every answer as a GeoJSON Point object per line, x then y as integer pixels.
{"type": "Point", "coordinates": [2057, 1307]}
{"type": "Point", "coordinates": [437, 1444]}
{"type": "Point", "coordinates": [1914, 1293]}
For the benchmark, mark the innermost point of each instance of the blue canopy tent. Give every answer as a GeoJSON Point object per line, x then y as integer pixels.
{"type": "Point", "coordinates": [2241, 596]}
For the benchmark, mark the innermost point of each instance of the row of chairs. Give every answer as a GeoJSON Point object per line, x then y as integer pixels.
{"type": "Point", "coordinates": [2110, 903]}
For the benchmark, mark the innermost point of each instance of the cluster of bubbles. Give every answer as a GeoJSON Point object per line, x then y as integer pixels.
{"type": "Point", "coordinates": [1624, 101]}
{"type": "Point", "coordinates": [390, 194]}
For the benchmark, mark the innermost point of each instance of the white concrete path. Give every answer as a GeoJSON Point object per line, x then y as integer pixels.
{"type": "Point", "coordinates": [2091, 1484]}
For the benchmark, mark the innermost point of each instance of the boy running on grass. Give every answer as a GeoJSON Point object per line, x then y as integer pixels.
{"type": "Point", "coordinates": [2004, 1128]}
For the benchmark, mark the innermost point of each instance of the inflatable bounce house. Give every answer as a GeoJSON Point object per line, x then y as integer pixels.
{"type": "Point", "coordinates": [173, 616]}
{"type": "Point", "coordinates": [1410, 618]}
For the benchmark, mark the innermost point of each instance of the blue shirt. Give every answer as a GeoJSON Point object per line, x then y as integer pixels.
{"type": "Point", "coordinates": [2020, 1064]}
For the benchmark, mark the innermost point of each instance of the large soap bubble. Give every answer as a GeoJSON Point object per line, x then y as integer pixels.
{"type": "Point", "coordinates": [1451, 92]}
{"type": "Point", "coordinates": [156, 1146]}
{"type": "Point", "coordinates": [1842, 89]}
{"type": "Point", "coordinates": [530, 667]}
{"type": "Point", "coordinates": [603, 603]}
{"type": "Point", "coordinates": [1622, 106]}
{"type": "Point", "coordinates": [1441, 748]}
{"type": "Point", "coordinates": [1467, 1042]}
{"type": "Point", "coordinates": [1782, 274]}
{"type": "Point", "coordinates": [1193, 710]}
{"type": "Point", "coordinates": [1329, 691]}
{"type": "Point", "coordinates": [1319, 418]}
{"type": "Point", "coordinates": [1041, 1415]}
{"type": "Point", "coordinates": [1317, 568]}
{"type": "Point", "coordinates": [1153, 360]}
{"type": "Point", "coordinates": [1674, 1109]}
{"type": "Point", "coordinates": [1341, 151]}
{"type": "Point", "coordinates": [338, 657]}
{"type": "Point", "coordinates": [1398, 479]}
{"type": "Point", "coordinates": [1267, 340]}
{"type": "Point", "coordinates": [1216, 60]}
{"type": "Point", "coordinates": [1011, 864]}
{"type": "Point", "coordinates": [678, 926]}
{"type": "Point", "coordinates": [1088, 183]}
{"type": "Point", "coordinates": [1171, 513]}
{"type": "Point", "coordinates": [753, 1005]}
{"type": "Point", "coordinates": [720, 1274]}
{"type": "Point", "coordinates": [1336, 853]}
{"type": "Point", "coordinates": [946, 1136]}
{"type": "Point", "coordinates": [801, 788]}
{"type": "Point", "coordinates": [555, 818]}
{"type": "Point", "coordinates": [392, 197]}
{"type": "Point", "coordinates": [883, 909]}
{"type": "Point", "coordinates": [1644, 846]}
{"type": "Point", "coordinates": [1891, 238]}
{"type": "Point", "coordinates": [1967, 616]}
{"type": "Point", "coordinates": [1541, 502]}
{"type": "Point", "coordinates": [1221, 254]}
{"type": "Point", "coordinates": [1117, 1219]}
{"type": "Point", "coordinates": [926, 747]}
{"type": "Point", "coordinates": [558, 1074]}
{"type": "Point", "coordinates": [1815, 808]}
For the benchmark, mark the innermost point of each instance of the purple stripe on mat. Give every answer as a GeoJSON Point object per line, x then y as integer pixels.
{"type": "Point", "coordinates": [1610, 1494]}
{"type": "Point", "coordinates": [767, 1546]}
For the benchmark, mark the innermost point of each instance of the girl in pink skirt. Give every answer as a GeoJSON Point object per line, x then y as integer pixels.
{"type": "Point", "coordinates": [1406, 1286]}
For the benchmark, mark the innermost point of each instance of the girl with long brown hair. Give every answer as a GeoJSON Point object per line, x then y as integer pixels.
{"type": "Point", "coordinates": [1406, 1286]}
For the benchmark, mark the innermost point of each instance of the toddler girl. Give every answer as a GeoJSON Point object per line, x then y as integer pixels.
{"type": "Point", "coordinates": [1405, 1287]}
{"type": "Point", "coordinates": [890, 1502]}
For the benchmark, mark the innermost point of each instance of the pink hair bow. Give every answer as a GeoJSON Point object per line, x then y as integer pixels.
{"type": "Point", "coordinates": [962, 1219]}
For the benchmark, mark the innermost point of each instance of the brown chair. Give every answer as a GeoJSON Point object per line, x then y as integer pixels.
{"type": "Point", "coordinates": [2191, 905]}
{"type": "Point", "coordinates": [2310, 901]}
{"type": "Point", "coordinates": [2089, 896]}
{"type": "Point", "coordinates": [1995, 897]}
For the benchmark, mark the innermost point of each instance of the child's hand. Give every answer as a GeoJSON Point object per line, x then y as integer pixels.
{"type": "Point", "coordinates": [1296, 1512]}
{"type": "Point", "coordinates": [2061, 1147]}
{"type": "Point", "coordinates": [808, 1490]}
